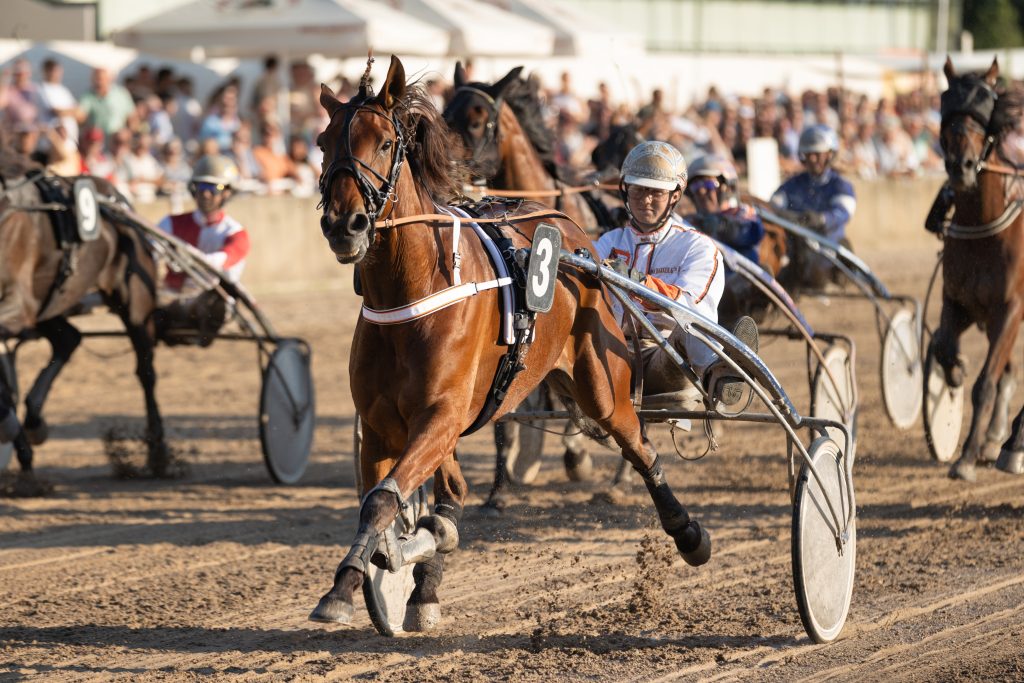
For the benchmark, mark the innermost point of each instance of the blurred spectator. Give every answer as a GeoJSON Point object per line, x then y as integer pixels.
{"type": "Point", "coordinates": [268, 86]}
{"type": "Point", "coordinates": [303, 101]}
{"type": "Point", "coordinates": [19, 99]}
{"type": "Point", "coordinates": [222, 121]}
{"type": "Point", "coordinates": [57, 101]}
{"type": "Point", "coordinates": [276, 168]}
{"type": "Point", "coordinates": [306, 172]}
{"type": "Point", "coordinates": [895, 151]}
{"type": "Point", "coordinates": [242, 155]}
{"type": "Point", "coordinates": [107, 106]}
{"type": "Point", "coordinates": [175, 174]}
{"type": "Point", "coordinates": [143, 172]}
{"type": "Point", "coordinates": [187, 112]}
{"type": "Point", "coordinates": [158, 121]}
{"type": "Point", "coordinates": [94, 160]}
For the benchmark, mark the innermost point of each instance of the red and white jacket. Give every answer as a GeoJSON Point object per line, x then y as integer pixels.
{"type": "Point", "coordinates": [224, 242]}
{"type": "Point", "coordinates": [680, 262]}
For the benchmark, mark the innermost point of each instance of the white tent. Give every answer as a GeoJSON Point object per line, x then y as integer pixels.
{"type": "Point", "coordinates": [478, 29]}
{"type": "Point", "coordinates": [292, 28]}
{"type": "Point", "coordinates": [576, 33]}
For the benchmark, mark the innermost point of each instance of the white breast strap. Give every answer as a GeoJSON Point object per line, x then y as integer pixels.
{"type": "Point", "coordinates": [433, 303]}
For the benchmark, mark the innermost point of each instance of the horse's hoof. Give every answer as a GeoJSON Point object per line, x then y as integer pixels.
{"type": "Point", "coordinates": [697, 555]}
{"type": "Point", "coordinates": [955, 375]}
{"type": "Point", "coordinates": [422, 617]}
{"type": "Point", "coordinates": [578, 466]}
{"type": "Point", "coordinates": [990, 452]}
{"type": "Point", "coordinates": [614, 495]}
{"type": "Point", "coordinates": [331, 610]}
{"type": "Point", "coordinates": [964, 470]}
{"type": "Point", "coordinates": [1011, 462]}
{"type": "Point", "coordinates": [24, 485]}
{"type": "Point", "coordinates": [37, 433]}
{"type": "Point", "coordinates": [494, 506]}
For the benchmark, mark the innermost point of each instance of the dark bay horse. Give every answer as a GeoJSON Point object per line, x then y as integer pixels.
{"type": "Point", "coordinates": [510, 147]}
{"type": "Point", "coordinates": [42, 279]}
{"type": "Point", "coordinates": [420, 383]}
{"type": "Point", "coordinates": [983, 258]}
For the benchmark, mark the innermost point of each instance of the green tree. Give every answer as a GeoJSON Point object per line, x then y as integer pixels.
{"type": "Point", "coordinates": [994, 23]}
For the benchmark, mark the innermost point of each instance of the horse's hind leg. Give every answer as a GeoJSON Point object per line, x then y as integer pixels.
{"type": "Point", "coordinates": [1002, 330]}
{"type": "Point", "coordinates": [999, 426]}
{"type": "Point", "coordinates": [158, 457]}
{"type": "Point", "coordinates": [595, 377]}
{"type": "Point", "coordinates": [424, 608]}
{"type": "Point", "coordinates": [64, 338]}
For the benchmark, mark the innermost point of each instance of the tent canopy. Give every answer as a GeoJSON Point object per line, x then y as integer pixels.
{"type": "Point", "coordinates": [296, 28]}
{"type": "Point", "coordinates": [576, 33]}
{"type": "Point", "coordinates": [478, 29]}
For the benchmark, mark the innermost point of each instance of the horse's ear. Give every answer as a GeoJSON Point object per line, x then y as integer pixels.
{"type": "Point", "coordinates": [328, 100]}
{"type": "Point", "coordinates": [460, 75]}
{"type": "Point", "coordinates": [993, 72]}
{"type": "Point", "coordinates": [393, 90]}
{"type": "Point", "coordinates": [498, 88]}
{"type": "Point", "coordinates": [948, 69]}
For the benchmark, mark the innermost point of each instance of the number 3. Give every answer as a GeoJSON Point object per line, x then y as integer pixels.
{"type": "Point", "coordinates": [541, 279]}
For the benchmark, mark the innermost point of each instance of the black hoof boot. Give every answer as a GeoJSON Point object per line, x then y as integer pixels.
{"type": "Point", "coordinates": [332, 610]}
{"type": "Point", "coordinates": [1011, 462]}
{"type": "Point", "coordinates": [694, 544]}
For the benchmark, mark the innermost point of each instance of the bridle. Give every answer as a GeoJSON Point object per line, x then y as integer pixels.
{"type": "Point", "coordinates": [491, 128]}
{"type": "Point", "coordinates": [974, 101]}
{"type": "Point", "coordinates": [375, 199]}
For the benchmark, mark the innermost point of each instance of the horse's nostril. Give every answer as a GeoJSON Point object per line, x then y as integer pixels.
{"type": "Point", "coordinates": [357, 223]}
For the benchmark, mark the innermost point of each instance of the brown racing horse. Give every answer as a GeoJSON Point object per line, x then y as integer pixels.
{"type": "Point", "coordinates": [510, 147]}
{"type": "Point", "coordinates": [41, 279]}
{"type": "Point", "coordinates": [983, 258]}
{"type": "Point", "coordinates": [417, 385]}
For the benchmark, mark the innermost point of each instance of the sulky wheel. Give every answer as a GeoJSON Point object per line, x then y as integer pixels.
{"type": "Point", "coordinates": [287, 411]}
{"type": "Point", "coordinates": [9, 383]}
{"type": "Point", "coordinates": [823, 569]}
{"type": "Point", "coordinates": [943, 411]}
{"type": "Point", "coordinates": [901, 370]}
{"type": "Point", "coordinates": [829, 399]}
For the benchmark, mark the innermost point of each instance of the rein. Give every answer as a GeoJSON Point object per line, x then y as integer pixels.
{"type": "Point", "coordinates": [557, 192]}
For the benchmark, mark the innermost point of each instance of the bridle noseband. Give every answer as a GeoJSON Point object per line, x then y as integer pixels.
{"type": "Point", "coordinates": [491, 129]}
{"type": "Point", "coordinates": [375, 199]}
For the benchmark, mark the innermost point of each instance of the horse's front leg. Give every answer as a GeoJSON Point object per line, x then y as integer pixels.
{"type": "Point", "coordinates": [432, 443]}
{"type": "Point", "coordinates": [64, 339]}
{"type": "Point", "coordinates": [424, 608]}
{"type": "Point", "coordinates": [945, 344]}
{"type": "Point", "coordinates": [1002, 333]}
{"type": "Point", "coordinates": [999, 426]}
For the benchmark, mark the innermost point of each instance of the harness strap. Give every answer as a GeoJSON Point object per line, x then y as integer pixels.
{"type": "Point", "coordinates": [432, 303]}
{"type": "Point", "coordinates": [445, 218]}
{"type": "Point", "coordinates": [456, 254]}
{"type": "Point", "coordinates": [990, 229]}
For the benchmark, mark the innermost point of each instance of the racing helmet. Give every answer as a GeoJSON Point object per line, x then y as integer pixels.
{"type": "Point", "coordinates": [715, 166]}
{"type": "Point", "coordinates": [654, 164]}
{"type": "Point", "coordinates": [217, 169]}
{"type": "Point", "coordinates": [817, 138]}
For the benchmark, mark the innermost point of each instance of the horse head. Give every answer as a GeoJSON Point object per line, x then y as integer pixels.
{"type": "Point", "coordinates": [473, 114]}
{"type": "Point", "coordinates": [609, 154]}
{"type": "Point", "coordinates": [967, 106]}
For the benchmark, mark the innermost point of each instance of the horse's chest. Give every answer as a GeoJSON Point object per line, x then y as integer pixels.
{"type": "Point", "coordinates": [976, 280]}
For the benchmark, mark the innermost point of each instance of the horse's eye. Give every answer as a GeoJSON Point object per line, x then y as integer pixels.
{"type": "Point", "coordinates": [386, 146]}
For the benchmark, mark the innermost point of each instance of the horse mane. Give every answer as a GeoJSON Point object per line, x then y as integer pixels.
{"type": "Point", "coordinates": [522, 98]}
{"type": "Point", "coordinates": [430, 144]}
{"type": "Point", "coordinates": [1008, 110]}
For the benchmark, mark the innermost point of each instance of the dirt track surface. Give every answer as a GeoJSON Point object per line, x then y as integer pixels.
{"type": "Point", "coordinates": [212, 576]}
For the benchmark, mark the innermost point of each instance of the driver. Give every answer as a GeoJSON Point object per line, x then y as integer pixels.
{"type": "Point", "coordinates": [712, 189]}
{"type": "Point", "coordinates": [224, 244]}
{"type": "Point", "coordinates": [664, 253]}
{"type": "Point", "coordinates": [822, 199]}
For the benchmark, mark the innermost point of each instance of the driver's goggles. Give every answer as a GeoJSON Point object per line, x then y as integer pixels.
{"type": "Point", "coordinates": [704, 185]}
{"type": "Point", "coordinates": [212, 188]}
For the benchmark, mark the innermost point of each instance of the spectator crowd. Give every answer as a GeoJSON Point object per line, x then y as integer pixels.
{"type": "Point", "coordinates": [145, 133]}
